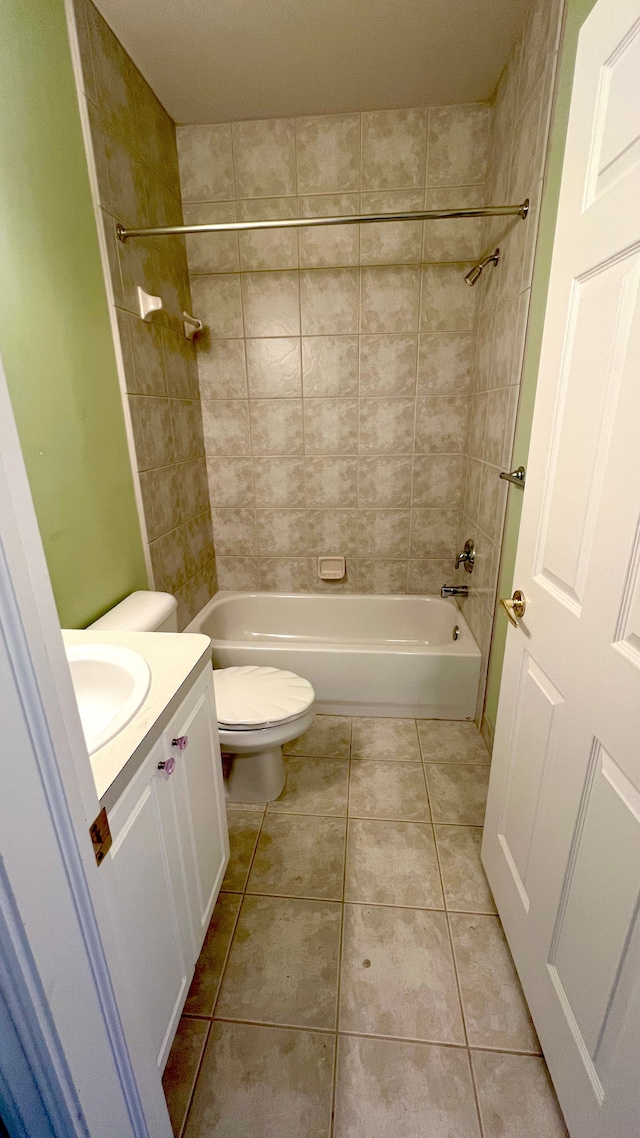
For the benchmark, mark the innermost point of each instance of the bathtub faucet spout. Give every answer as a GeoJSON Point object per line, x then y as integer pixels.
{"type": "Point", "coordinates": [454, 591]}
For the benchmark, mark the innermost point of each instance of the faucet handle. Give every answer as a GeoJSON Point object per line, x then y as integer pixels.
{"type": "Point", "coordinates": [467, 557]}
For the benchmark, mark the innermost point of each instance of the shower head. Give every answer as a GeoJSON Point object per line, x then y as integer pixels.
{"type": "Point", "coordinates": [476, 272]}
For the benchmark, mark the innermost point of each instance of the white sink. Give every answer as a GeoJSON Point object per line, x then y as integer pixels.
{"type": "Point", "coordinates": [111, 684]}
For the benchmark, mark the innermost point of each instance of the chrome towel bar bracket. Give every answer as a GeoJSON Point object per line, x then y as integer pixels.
{"type": "Point", "coordinates": [515, 477]}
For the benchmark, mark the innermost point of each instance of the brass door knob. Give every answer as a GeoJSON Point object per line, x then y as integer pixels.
{"type": "Point", "coordinates": [515, 606]}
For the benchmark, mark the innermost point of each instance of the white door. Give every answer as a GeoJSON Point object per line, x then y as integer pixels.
{"type": "Point", "coordinates": [562, 837]}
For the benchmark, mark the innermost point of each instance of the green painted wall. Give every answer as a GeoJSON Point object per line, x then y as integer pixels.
{"type": "Point", "coordinates": [576, 13]}
{"type": "Point", "coordinates": [55, 336]}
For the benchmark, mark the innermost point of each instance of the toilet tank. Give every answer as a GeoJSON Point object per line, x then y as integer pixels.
{"type": "Point", "coordinates": [143, 611]}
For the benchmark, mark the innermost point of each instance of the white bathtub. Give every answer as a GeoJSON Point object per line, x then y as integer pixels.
{"type": "Point", "coordinates": [364, 655]}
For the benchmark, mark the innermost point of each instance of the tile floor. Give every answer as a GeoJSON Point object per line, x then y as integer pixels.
{"type": "Point", "coordinates": [355, 981]}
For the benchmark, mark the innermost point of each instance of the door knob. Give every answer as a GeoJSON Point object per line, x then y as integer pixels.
{"type": "Point", "coordinates": [515, 606]}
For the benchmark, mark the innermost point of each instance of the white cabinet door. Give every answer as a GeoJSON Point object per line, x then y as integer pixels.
{"type": "Point", "coordinates": [199, 790]}
{"type": "Point", "coordinates": [562, 832]}
{"type": "Point", "coordinates": [149, 886]}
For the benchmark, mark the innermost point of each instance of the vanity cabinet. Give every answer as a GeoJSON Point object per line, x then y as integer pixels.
{"type": "Point", "coordinates": [168, 856]}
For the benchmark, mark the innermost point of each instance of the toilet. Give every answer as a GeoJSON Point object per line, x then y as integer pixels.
{"type": "Point", "coordinates": [259, 708]}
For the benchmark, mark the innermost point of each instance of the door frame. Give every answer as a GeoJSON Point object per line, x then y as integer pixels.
{"type": "Point", "coordinates": [58, 957]}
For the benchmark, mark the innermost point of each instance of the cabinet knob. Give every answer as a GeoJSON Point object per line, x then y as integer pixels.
{"type": "Point", "coordinates": [181, 742]}
{"type": "Point", "coordinates": [168, 767]}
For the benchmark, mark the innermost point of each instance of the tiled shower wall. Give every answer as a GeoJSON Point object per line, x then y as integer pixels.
{"type": "Point", "coordinates": [134, 149]}
{"type": "Point", "coordinates": [521, 113]}
{"type": "Point", "coordinates": [338, 365]}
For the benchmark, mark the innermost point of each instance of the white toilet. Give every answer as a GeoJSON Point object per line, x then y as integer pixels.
{"type": "Point", "coordinates": [259, 709]}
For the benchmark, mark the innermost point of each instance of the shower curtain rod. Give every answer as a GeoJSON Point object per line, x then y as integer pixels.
{"type": "Point", "coordinates": [303, 222]}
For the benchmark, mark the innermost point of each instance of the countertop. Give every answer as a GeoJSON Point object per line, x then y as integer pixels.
{"type": "Point", "coordinates": [174, 660]}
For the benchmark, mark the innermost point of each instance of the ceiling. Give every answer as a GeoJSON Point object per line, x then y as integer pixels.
{"type": "Point", "coordinates": [216, 60]}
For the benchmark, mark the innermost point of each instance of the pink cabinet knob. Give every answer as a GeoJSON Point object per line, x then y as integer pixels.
{"type": "Point", "coordinates": [168, 767]}
{"type": "Point", "coordinates": [181, 742]}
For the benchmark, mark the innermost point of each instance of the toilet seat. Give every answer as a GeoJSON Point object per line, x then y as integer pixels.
{"type": "Point", "coordinates": [253, 698]}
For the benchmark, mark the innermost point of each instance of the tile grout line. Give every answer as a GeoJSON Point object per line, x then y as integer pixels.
{"type": "Point", "coordinates": [340, 945]}
{"type": "Point", "coordinates": [220, 982]}
{"type": "Point", "coordinates": [183, 1126]}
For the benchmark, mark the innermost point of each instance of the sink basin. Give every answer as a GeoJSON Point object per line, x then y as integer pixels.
{"type": "Point", "coordinates": [110, 683]}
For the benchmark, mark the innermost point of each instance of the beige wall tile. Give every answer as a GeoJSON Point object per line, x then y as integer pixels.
{"type": "Point", "coordinates": [241, 574]}
{"type": "Point", "coordinates": [331, 481]}
{"type": "Point", "coordinates": [271, 304]}
{"type": "Point", "coordinates": [385, 481]}
{"type": "Point", "coordinates": [458, 145]}
{"type": "Point", "coordinates": [217, 300]}
{"type": "Point", "coordinates": [386, 426]}
{"type": "Point", "coordinates": [333, 532]}
{"type": "Point", "coordinates": [330, 365]}
{"type": "Point", "coordinates": [231, 481]}
{"type": "Point", "coordinates": [186, 424]}
{"type": "Point", "coordinates": [434, 533]}
{"type": "Point", "coordinates": [429, 576]}
{"type": "Point", "coordinates": [438, 480]}
{"type": "Point", "coordinates": [281, 532]}
{"type": "Point", "coordinates": [270, 249]}
{"type": "Point", "coordinates": [337, 245]}
{"type": "Point", "coordinates": [457, 239]}
{"type": "Point", "coordinates": [448, 304]}
{"type": "Point", "coordinates": [382, 576]}
{"type": "Point", "coordinates": [194, 488]}
{"type": "Point", "coordinates": [441, 424]}
{"type": "Point", "coordinates": [274, 367]}
{"type": "Point", "coordinates": [264, 158]}
{"type": "Point", "coordinates": [161, 497]}
{"type": "Point", "coordinates": [279, 481]}
{"type": "Point", "coordinates": [446, 363]}
{"type": "Point", "coordinates": [383, 533]}
{"type": "Point", "coordinates": [391, 242]}
{"type": "Point", "coordinates": [211, 252]}
{"type": "Point", "coordinates": [284, 574]}
{"type": "Point", "coordinates": [331, 426]}
{"type": "Point", "coordinates": [390, 298]}
{"type": "Point", "coordinates": [234, 532]}
{"type": "Point", "coordinates": [329, 301]}
{"type": "Point", "coordinates": [328, 153]}
{"type": "Point", "coordinates": [222, 369]}
{"type": "Point", "coordinates": [388, 365]}
{"type": "Point", "coordinates": [153, 438]}
{"type": "Point", "coordinates": [206, 162]}
{"type": "Point", "coordinates": [276, 426]}
{"type": "Point", "coordinates": [226, 427]}
{"type": "Point", "coordinates": [393, 149]}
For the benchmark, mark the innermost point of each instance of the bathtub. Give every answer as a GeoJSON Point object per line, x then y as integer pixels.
{"type": "Point", "coordinates": [364, 655]}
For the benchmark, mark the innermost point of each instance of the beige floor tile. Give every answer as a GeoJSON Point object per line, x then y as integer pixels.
{"type": "Point", "coordinates": [391, 739]}
{"type": "Point", "coordinates": [329, 735]}
{"type": "Point", "coordinates": [244, 827]}
{"type": "Point", "coordinates": [263, 1082]}
{"type": "Point", "coordinates": [516, 1097]}
{"type": "Point", "coordinates": [387, 1089]}
{"type": "Point", "coordinates": [254, 807]}
{"type": "Point", "coordinates": [314, 786]}
{"type": "Point", "coordinates": [299, 857]}
{"type": "Point", "coordinates": [495, 1010]}
{"type": "Point", "coordinates": [388, 790]}
{"type": "Point", "coordinates": [451, 741]}
{"type": "Point", "coordinates": [206, 979]}
{"type": "Point", "coordinates": [182, 1067]}
{"type": "Point", "coordinates": [397, 975]}
{"type": "Point", "coordinates": [392, 863]}
{"type": "Point", "coordinates": [465, 885]}
{"type": "Point", "coordinates": [458, 794]}
{"type": "Point", "coordinates": [283, 963]}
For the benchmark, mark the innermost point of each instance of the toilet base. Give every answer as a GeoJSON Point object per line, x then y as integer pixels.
{"type": "Point", "coordinates": [257, 776]}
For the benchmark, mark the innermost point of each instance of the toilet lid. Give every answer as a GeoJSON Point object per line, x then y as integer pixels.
{"type": "Point", "coordinates": [253, 697]}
